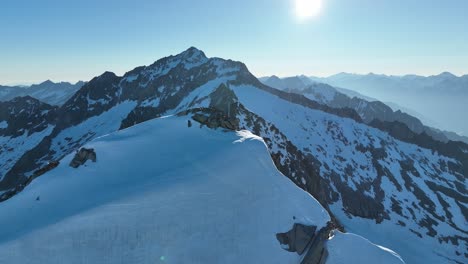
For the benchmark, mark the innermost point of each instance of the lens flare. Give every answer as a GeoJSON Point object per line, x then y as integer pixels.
{"type": "Point", "coordinates": [308, 8]}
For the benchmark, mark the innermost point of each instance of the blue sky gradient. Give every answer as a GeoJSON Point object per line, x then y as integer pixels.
{"type": "Point", "coordinates": [76, 40]}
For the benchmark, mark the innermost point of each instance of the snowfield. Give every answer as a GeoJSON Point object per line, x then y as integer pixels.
{"type": "Point", "coordinates": [161, 192]}
{"type": "Point", "coordinates": [342, 246]}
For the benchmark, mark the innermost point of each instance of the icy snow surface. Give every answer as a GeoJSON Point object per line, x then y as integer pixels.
{"type": "Point", "coordinates": [160, 192]}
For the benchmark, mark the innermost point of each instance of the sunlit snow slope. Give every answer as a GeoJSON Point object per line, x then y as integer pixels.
{"type": "Point", "coordinates": [161, 192]}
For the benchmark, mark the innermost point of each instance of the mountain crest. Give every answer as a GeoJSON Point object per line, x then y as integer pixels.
{"type": "Point", "coordinates": [193, 54]}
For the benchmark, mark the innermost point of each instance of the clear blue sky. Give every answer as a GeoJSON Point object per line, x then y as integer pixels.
{"type": "Point", "coordinates": [76, 40]}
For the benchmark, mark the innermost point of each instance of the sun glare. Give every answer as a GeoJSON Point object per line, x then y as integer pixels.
{"type": "Point", "coordinates": [308, 8]}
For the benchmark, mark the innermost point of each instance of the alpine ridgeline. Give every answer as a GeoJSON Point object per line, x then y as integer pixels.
{"type": "Point", "coordinates": [402, 190]}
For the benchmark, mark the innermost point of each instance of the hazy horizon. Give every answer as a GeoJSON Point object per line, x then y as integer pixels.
{"type": "Point", "coordinates": [73, 81]}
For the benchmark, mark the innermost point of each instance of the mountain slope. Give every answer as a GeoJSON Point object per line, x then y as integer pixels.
{"type": "Point", "coordinates": [366, 174]}
{"type": "Point", "coordinates": [24, 122]}
{"type": "Point", "coordinates": [380, 174]}
{"type": "Point", "coordinates": [181, 195]}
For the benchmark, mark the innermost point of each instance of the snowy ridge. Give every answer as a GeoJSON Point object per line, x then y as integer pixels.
{"type": "Point", "coordinates": [342, 246]}
{"type": "Point", "coordinates": [189, 202]}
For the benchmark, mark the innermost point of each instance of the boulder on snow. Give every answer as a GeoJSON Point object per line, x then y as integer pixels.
{"type": "Point", "coordinates": [82, 156]}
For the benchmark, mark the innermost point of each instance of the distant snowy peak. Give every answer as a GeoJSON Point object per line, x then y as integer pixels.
{"type": "Point", "coordinates": [288, 83]}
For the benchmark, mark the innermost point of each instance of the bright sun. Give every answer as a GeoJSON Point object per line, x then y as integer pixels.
{"type": "Point", "coordinates": [308, 8]}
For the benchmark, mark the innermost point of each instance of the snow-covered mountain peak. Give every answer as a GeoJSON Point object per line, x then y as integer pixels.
{"type": "Point", "coordinates": [190, 58]}
{"type": "Point", "coordinates": [193, 55]}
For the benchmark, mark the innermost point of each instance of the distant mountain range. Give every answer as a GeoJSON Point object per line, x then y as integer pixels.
{"type": "Point", "coordinates": [47, 92]}
{"type": "Point", "coordinates": [442, 98]}
{"type": "Point", "coordinates": [176, 121]}
{"type": "Point", "coordinates": [369, 108]}
{"type": "Point", "coordinates": [444, 82]}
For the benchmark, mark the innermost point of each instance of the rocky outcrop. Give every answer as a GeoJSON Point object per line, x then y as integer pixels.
{"type": "Point", "coordinates": [223, 99]}
{"type": "Point", "coordinates": [304, 239]}
{"type": "Point", "coordinates": [24, 122]}
{"type": "Point", "coordinates": [25, 115]}
{"type": "Point", "coordinates": [298, 238]}
{"type": "Point", "coordinates": [222, 112]}
{"type": "Point", "coordinates": [400, 131]}
{"type": "Point", "coordinates": [318, 253]}
{"type": "Point", "coordinates": [52, 165]}
{"type": "Point", "coordinates": [213, 118]}
{"type": "Point", "coordinates": [82, 156]}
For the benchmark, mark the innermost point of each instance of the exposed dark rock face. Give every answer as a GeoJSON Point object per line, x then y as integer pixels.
{"type": "Point", "coordinates": [402, 132]}
{"type": "Point", "coordinates": [304, 239]}
{"type": "Point", "coordinates": [139, 115]}
{"type": "Point", "coordinates": [224, 100]}
{"type": "Point", "coordinates": [52, 165]}
{"type": "Point", "coordinates": [213, 118]}
{"type": "Point", "coordinates": [82, 156]}
{"type": "Point", "coordinates": [222, 112]}
{"type": "Point", "coordinates": [24, 122]}
{"type": "Point", "coordinates": [298, 238]}
{"type": "Point", "coordinates": [25, 115]}
{"type": "Point", "coordinates": [318, 252]}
